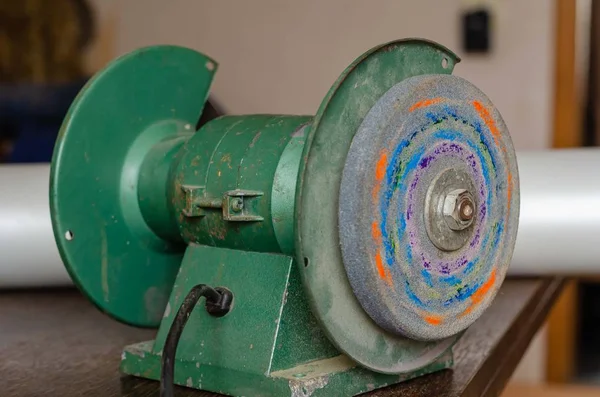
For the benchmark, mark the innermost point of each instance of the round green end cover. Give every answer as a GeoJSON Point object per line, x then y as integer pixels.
{"type": "Point", "coordinates": [140, 99]}
{"type": "Point", "coordinates": [318, 252]}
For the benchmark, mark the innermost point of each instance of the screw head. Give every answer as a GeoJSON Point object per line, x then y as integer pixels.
{"type": "Point", "coordinates": [459, 209]}
{"type": "Point", "coordinates": [237, 204]}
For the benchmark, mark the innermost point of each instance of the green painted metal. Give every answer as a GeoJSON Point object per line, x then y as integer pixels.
{"type": "Point", "coordinates": [300, 338]}
{"type": "Point", "coordinates": [139, 197]}
{"type": "Point", "coordinates": [154, 186]}
{"type": "Point", "coordinates": [237, 153]}
{"type": "Point", "coordinates": [270, 344]}
{"type": "Point", "coordinates": [337, 376]}
{"type": "Point", "coordinates": [137, 102]}
{"type": "Point", "coordinates": [317, 241]}
{"type": "Point", "coordinates": [284, 190]}
{"type": "Point", "coordinates": [259, 281]}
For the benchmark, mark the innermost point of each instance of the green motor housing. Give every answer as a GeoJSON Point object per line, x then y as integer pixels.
{"type": "Point", "coordinates": [230, 186]}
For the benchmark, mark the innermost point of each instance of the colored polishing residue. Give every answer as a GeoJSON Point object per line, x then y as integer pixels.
{"type": "Point", "coordinates": [413, 274]}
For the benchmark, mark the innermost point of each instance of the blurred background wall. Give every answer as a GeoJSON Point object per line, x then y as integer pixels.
{"type": "Point", "coordinates": [282, 57]}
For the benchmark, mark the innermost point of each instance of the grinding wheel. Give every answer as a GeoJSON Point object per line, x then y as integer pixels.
{"type": "Point", "coordinates": [139, 100]}
{"type": "Point", "coordinates": [427, 142]}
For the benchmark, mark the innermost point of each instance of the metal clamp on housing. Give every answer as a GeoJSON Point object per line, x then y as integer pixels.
{"type": "Point", "coordinates": [237, 205]}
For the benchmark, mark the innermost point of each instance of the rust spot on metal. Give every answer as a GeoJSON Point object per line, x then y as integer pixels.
{"type": "Point", "coordinates": [218, 232]}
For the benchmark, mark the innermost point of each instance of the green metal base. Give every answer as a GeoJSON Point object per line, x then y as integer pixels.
{"type": "Point", "coordinates": [336, 376]}
{"type": "Point", "coordinates": [269, 344]}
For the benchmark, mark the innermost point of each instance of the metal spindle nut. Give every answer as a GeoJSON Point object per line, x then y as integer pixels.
{"type": "Point", "coordinates": [459, 209]}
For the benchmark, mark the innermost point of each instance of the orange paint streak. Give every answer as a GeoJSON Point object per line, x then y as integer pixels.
{"type": "Point", "coordinates": [424, 104]}
{"type": "Point", "coordinates": [484, 289]}
{"type": "Point", "coordinates": [379, 174]}
{"type": "Point", "coordinates": [375, 193]}
{"type": "Point", "coordinates": [376, 232]}
{"type": "Point", "coordinates": [380, 168]}
{"type": "Point", "coordinates": [380, 268]}
{"type": "Point", "coordinates": [487, 118]}
{"type": "Point", "coordinates": [491, 124]}
{"type": "Point", "coordinates": [467, 311]}
{"type": "Point", "coordinates": [433, 320]}
{"type": "Point", "coordinates": [383, 273]}
{"type": "Point", "coordinates": [480, 293]}
{"type": "Point", "coordinates": [509, 187]}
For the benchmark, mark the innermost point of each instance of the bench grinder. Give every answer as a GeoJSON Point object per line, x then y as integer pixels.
{"type": "Point", "coordinates": [338, 253]}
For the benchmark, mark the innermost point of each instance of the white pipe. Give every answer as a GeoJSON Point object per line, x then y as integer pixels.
{"type": "Point", "coordinates": [559, 225]}
{"type": "Point", "coordinates": [28, 253]}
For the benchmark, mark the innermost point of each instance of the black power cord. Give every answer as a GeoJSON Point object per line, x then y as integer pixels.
{"type": "Point", "coordinates": [218, 304]}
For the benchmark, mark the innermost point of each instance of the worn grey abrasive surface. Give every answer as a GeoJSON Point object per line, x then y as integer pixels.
{"type": "Point", "coordinates": [421, 128]}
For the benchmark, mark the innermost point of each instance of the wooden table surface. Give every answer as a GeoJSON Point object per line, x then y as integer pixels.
{"type": "Point", "coordinates": [55, 343]}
